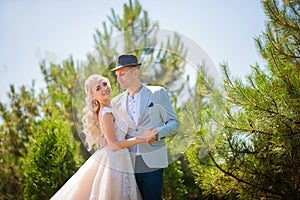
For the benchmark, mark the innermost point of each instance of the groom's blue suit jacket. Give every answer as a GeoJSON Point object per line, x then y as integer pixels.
{"type": "Point", "coordinates": [156, 110]}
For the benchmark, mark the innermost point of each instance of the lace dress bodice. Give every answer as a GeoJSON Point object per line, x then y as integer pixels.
{"type": "Point", "coordinates": [121, 126]}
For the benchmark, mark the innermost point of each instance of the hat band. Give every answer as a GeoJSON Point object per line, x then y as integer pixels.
{"type": "Point", "coordinates": [119, 64]}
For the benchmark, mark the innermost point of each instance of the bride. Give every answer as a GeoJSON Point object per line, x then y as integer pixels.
{"type": "Point", "coordinates": [108, 173]}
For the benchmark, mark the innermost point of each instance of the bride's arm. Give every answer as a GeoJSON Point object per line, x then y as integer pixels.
{"type": "Point", "coordinates": [109, 132]}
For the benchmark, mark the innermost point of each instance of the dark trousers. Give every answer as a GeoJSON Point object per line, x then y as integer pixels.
{"type": "Point", "coordinates": [149, 181]}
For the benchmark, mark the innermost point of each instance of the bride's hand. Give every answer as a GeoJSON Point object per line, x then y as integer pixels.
{"type": "Point", "coordinates": [154, 135]}
{"type": "Point", "coordinates": [149, 134]}
{"type": "Point", "coordinates": [101, 142]}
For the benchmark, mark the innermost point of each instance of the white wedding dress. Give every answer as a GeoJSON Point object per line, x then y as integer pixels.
{"type": "Point", "coordinates": [106, 175]}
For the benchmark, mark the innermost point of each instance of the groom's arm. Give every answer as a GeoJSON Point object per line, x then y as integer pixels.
{"type": "Point", "coordinates": [172, 123]}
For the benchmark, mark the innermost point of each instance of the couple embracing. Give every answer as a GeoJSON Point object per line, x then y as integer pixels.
{"type": "Point", "coordinates": [130, 132]}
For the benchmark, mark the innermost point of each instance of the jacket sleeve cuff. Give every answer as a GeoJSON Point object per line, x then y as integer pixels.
{"type": "Point", "coordinates": [160, 135]}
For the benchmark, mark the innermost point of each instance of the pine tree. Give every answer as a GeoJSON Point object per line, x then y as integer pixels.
{"type": "Point", "coordinates": [59, 96]}
{"type": "Point", "coordinates": [19, 118]}
{"type": "Point", "coordinates": [198, 121]}
{"type": "Point", "coordinates": [257, 153]}
{"type": "Point", "coordinates": [50, 161]}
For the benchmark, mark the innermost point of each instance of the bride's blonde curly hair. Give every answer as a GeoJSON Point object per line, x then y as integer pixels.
{"type": "Point", "coordinates": [91, 126]}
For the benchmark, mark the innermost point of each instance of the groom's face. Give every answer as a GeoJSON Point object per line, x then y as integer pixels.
{"type": "Point", "coordinates": [125, 76]}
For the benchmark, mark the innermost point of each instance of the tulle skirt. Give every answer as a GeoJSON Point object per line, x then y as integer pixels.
{"type": "Point", "coordinates": [106, 175]}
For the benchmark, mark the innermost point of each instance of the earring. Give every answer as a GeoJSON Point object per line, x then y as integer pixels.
{"type": "Point", "coordinates": [94, 101]}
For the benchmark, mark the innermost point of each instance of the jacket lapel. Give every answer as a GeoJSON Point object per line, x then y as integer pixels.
{"type": "Point", "coordinates": [145, 97]}
{"type": "Point", "coordinates": [124, 112]}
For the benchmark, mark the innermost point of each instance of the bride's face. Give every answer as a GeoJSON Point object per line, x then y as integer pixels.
{"type": "Point", "coordinates": [102, 90]}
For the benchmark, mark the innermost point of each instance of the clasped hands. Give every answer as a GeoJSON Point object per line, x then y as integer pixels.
{"type": "Point", "coordinates": [149, 135]}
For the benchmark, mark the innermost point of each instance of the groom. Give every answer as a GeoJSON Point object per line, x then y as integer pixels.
{"type": "Point", "coordinates": [141, 107]}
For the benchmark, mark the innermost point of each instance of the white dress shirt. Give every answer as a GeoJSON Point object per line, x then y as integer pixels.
{"type": "Point", "coordinates": [133, 108]}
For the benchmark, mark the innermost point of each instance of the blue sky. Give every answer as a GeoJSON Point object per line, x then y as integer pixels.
{"type": "Point", "coordinates": [55, 29]}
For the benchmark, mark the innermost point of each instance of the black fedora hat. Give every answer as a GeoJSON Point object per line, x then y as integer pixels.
{"type": "Point", "coordinates": [126, 60]}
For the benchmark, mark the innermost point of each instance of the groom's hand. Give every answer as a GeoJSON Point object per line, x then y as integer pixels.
{"type": "Point", "coordinates": [153, 137]}
{"type": "Point", "coordinates": [148, 134]}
